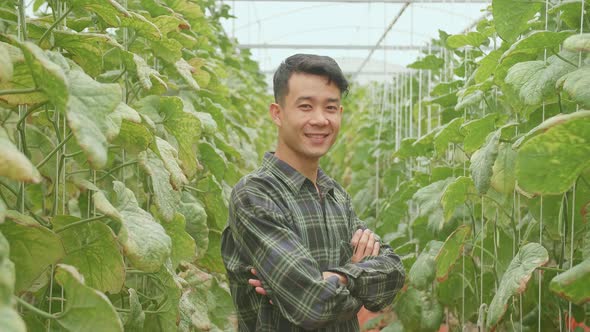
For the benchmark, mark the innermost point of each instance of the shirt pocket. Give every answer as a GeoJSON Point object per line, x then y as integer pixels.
{"type": "Point", "coordinates": [346, 252]}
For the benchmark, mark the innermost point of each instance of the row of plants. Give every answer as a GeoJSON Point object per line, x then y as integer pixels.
{"type": "Point", "coordinates": [489, 209]}
{"type": "Point", "coordinates": [124, 125]}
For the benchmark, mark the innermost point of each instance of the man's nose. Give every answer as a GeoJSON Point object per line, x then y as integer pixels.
{"type": "Point", "coordinates": [318, 118]}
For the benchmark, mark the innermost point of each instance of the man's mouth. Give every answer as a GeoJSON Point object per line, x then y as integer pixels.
{"type": "Point", "coordinates": [317, 136]}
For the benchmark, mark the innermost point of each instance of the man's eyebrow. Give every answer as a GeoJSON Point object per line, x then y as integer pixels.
{"type": "Point", "coordinates": [302, 98]}
{"type": "Point", "coordinates": [333, 100]}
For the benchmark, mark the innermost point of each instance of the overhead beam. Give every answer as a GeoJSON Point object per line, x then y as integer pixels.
{"type": "Point", "coordinates": [334, 47]}
{"type": "Point", "coordinates": [389, 27]}
{"type": "Point", "coordinates": [370, 1]}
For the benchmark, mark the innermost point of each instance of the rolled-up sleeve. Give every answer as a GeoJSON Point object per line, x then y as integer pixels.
{"type": "Point", "coordinates": [287, 270]}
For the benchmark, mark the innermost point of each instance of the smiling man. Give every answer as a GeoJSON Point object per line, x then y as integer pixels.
{"type": "Point", "coordinates": [297, 256]}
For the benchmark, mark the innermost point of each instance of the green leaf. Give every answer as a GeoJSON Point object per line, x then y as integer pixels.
{"type": "Point", "coordinates": [87, 49]}
{"type": "Point", "coordinates": [511, 17]}
{"type": "Point", "coordinates": [536, 42]}
{"type": "Point", "coordinates": [429, 200]}
{"type": "Point", "coordinates": [455, 195]}
{"type": "Point", "coordinates": [504, 176]}
{"type": "Point", "coordinates": [48, 76]}
{"type": "Point", "coordinates": [482, 163]}
{"type": "Point", "coordinates": [134, 137]}
{"type": "Point", "coordinates": [11, 320]}
{"type": "Point", "coordinates": [419, 311]}
{"type": "Point", "coordinates": [6, 68]}
{"type": "Point", "coordinates": [476, 131]}
{"type": "Point", "coordinates": [32, 248]}
{"type": "Point", "coordinates": [429, 62]}
{"type": "Point", "coordinates": [171, 162]}
{"type": "Point", "coordinates": [470, 99]}
{"type": "Point", "coordinates": [472, 38]}
{"type": "Point", "coordinates": [86, 309]}
{"type": "Point", "coordinates": [186, 72]}
{"type": "Point", "coordinates": [194, 302]}
{"type": "Point", "coordinates": [93, 250]}
{"type": "Point", "coordinates": [215, 203]}
{"type": "Point", "coordinates": [487, 65]}
{"type": "Point", "coordinates": [576, 85]}
{"type": "Point", "coordinates": [165, 197]}
{"type": "Point", "coordinates": [183, 245]}
{"type": "Point", "coordinates": [578, 43]}
{"type": "Point", "coordinates": [169, 50]}
{"type": "Point", "coordinates": [549, 162]}
{"type": "Point", "coordinates": [88, 109]}
{"type": "Point", "coordinates": [168, 312]}
{"type": "Point", "coordinates": [185, 126]}
{"type": "Point", "coordinates": [2, 211]}
{"type": "Point", "coordinates": [448, 133]}
{"type": "Point", "coordinates": [535, 80]}
{"type": "Point", "coordinates": [196, 222]}
{"type": "Point", "coordinates": [450, 252]}
{"type": "Point", "coordinates": [14, 164]}
{"type": "Point", "coordinates": [569, 12]}
{"type": "Point", "coordinates": [116, 15]}
{"type": "Point", "coordinates": [135, 319]}
{"type": "Point", "coordinates": [573, 284]}
{"type": "Point", "coordinates": [515, 279]}
{"type": "Point", "coordinates": [7, 274]}
{"type": "Point", "coordinates": [145, 242]}
{"type": "Point", "coordinates": [213, 159]}
{"type": "Point", "coordinates": [422, 272]}
{"type": "Point", "coordinates": [447, 100]}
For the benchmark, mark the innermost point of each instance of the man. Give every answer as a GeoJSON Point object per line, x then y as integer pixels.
{"type": "Point", "coordinates": [297, 256]}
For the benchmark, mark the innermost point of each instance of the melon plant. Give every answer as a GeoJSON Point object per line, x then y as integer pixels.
{"type": "Point", "coordinates": [123, 126]}
{"type": "Point", "coordinates": [474, 166]}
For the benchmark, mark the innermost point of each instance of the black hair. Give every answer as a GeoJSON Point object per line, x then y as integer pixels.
{"type": "Point", "coordinates": [309, 64]}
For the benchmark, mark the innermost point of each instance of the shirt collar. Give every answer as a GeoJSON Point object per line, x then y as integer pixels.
{"type": "Point", "coordinates": [292, 177]}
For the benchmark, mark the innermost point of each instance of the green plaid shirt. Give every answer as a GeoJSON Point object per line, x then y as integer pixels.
{"type": "Point", "coordinates": [281, 226]}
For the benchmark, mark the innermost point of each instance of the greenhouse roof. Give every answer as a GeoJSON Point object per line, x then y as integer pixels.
{"type": "Point", "coordinates": [370, 39]}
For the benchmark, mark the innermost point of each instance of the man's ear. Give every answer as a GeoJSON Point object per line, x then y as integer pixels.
{"type": "Point", "coordinates": [275, 113]}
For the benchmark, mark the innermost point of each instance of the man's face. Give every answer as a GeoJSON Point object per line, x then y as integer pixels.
{"type": "Point", "coordinates": [310, 116]}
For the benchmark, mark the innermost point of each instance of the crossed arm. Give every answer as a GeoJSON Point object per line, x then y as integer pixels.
{"type": "Point", "coordinates": [364, 243]}
{"type": "Point", "coordinates": [291, 277]}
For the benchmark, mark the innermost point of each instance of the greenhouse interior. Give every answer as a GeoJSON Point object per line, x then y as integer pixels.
{"type": "Point", "coordinates": [456, 133]}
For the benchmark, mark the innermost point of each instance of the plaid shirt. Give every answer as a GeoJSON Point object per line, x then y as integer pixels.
{"type": "Point", "coordinates": [280, 225]}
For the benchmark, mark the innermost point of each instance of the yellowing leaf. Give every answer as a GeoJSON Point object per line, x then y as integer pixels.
{"type": "Point", "coordinates": [14, 164]}
{"type": "Point", "coordinates": [515, 279]}
{"type": "Point", "coordinates": [144, 241]}
{"type": "Point", "coordinates": [88, 110]}
{"type": "Point", "coordinates": [165, 197]}
{"type": "Point", "coordinates": [32, 248]}
{"type": "Point", "coordinates": [92, 248]}
{"type": "Point", "coordinates": [549, 162]}
{"type": "Point", "coordinates": [86, 309]}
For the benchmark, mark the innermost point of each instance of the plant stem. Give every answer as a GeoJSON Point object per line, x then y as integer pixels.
{"type": "Point", "coordinates": [563, 59]}
{"type": "Point", "coordinates": [54, 151]}
{"type": "Point", "coordinates": [55, 23]}
{"type": "Point", "coordinates": [29, 111]}
{"type": "Point", "coordinates": [80, 222]}
{"type": "Point", "coordinates": [116, 168]}
{"type": "Point", "coordinates": [18, 91]}
{"type": "Point", "coordinates": [34, 309]}
{"type": "Point", "coordinates": [553, 269]}
{"type": "Point", "coordinates": [194, 189]}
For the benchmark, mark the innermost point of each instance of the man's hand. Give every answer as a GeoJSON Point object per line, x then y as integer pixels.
{"type": "Point", "coordinates": [364, 244]}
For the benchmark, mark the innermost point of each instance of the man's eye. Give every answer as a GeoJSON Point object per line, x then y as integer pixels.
{"type": "Point", "coordinates": [332, 108]}
{"type": "Point", "coordinates": [305, 107]}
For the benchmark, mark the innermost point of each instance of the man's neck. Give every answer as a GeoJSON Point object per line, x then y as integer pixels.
{"type": "Point", "coordinates": [307, 167]}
